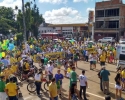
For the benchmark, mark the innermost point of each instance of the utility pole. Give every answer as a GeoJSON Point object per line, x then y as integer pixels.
{"type": "Point", "coordinates": [24, 24]}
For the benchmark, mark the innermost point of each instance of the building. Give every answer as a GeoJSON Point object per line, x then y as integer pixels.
{"type": "Point", "coordinates": [109, 19]}
{"type": "Point", "coordinates": [44, 28]}
{"type": "Point", "coordinates": [68, 30]}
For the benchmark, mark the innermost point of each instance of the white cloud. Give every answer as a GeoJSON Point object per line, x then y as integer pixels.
{"type": "Point", "coordinates": [64, 15]}
{"type": "Point", "coordinates": [90, 9]}
{"type": "Point", "coordinates": [80, 1]}
{"type": "Point", "coordinates": [53, 1]}
{"type": "Point", "coordinates": [11, 3]}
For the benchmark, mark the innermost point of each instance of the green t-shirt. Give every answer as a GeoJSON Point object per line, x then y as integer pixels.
{"type": "Point", "coordinates": [73, 76]}
{"type": "Point", "coordinates": [2, 86]}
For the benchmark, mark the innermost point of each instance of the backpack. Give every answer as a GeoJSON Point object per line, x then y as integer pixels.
{"type": "Point", "coordinates": [24, 66]}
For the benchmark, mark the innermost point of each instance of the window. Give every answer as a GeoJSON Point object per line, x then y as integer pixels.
{"type": "Point", "coordinates": [112, 24]}
{"type": "Point", "coordinates": [111, 12]}
{"type": "Point", "coordinates": [100, 13]}
{"type": "Point", "coordinates": [99, 24]}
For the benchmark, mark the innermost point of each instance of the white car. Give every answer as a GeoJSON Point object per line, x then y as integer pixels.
{"type": "Point", "coordinates": [107, 39]}
{"type": "Point", "coordinates": [122, 41]}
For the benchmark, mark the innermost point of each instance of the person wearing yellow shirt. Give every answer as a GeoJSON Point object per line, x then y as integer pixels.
{"type": "Point", "coordinates": [26, 68]}
{"type": "Point", "coordinates": [53, 90]}
{"type": "Point", "coordinates": [11, 90]}
{"type": "Point", "coordinates": [108, 55]}
{"type": "Point", "coordinates": [114, 53]}
{"type": "Point", "coordinates": [13, 60]}
{"type": "Point", "coordinates": [102, 60]}
{"type": "Point", "coordinates": [123, 78]}
{"type": "Point", "coordinates": [7, 72]}
{"type": "Point", "coordinates": [14, 67]}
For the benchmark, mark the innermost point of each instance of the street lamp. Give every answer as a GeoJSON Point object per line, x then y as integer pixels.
{"type": "Point", "coordinates": [24, 24]}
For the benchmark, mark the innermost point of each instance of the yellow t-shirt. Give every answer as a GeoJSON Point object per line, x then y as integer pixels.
{"type": "Point", "coordinates": [13, 60]}
{"type": "Point", "coordinates": [19, 59]}
{"type": "Point", "coordinates": [8, 72]}
{"type": "Point", "coordinates": [53, 89]}
{"type": "Point", "coordinates": [27, 66]}
{"type": "Point", "coordinates": [108, 53]}
{"type": "Point", "coordinates": [114, 52]}
{"type": "Point", "coordinates": [102, 58]}
{"type": "Point", "coordinates": [68, 70]}
{"type": "Point", "coordinates": [14, 67]}
{"type": "Point", "coordinates": [123, 74]}
{"type": "Point", "coordinates": [11, 87]}
{"type": "Point", "coordinates": [2, 74]}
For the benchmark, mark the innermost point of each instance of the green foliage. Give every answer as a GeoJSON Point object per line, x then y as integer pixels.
{"type": "Point", "coordinates": [32, 17]}
{"type": "Point", "coordinates": [7, 20]}
{"type": "Point", "coordinates": [19, 38]}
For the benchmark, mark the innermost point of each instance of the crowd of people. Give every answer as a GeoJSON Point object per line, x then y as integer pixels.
{"type": "Point", "coordinates": [19, 64]}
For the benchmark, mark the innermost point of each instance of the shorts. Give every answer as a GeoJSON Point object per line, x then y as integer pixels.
{"type": "Point", "coordinates": [118, 87]}
{"type": "Point", "coordinates": [26, 72]}
{"type": "Point", "coordinates": [77, 54]}
{"type": "Point", "coordinates": [91, 62]}
{"type": "Point", "coordinates": [75, 59]}
{"type": "Point", "coordinates": [102, 63]}
{"type": "Point", "coordinates": [123, 79]}
{"type": "Point", "coordinates": [50, 77]}
{"type": "Point", "coordinates": [42, 61]}
{"type": "Point", "coordinates": [94, 62]}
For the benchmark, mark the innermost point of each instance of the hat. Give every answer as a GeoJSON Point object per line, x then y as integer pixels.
{"type": "Point", "coordinates": [103, 66]}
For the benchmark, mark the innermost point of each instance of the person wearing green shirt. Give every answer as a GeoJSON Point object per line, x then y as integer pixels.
{"type": "Point", "coordinates": [75, 59]}
{"type": "Point", "coordinates": [3, 95]}
{"type": "Point", "coordinates": [73, 76]}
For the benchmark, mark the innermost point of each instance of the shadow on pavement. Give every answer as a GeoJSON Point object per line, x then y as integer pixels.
{"type": "Point", "coordinates": [81, 68]}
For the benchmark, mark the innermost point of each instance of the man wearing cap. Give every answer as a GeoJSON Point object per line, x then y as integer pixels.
{"type": "Point", "coordinates": [105, 79]}
{"type": "Point", "coordinates": [3, 95]}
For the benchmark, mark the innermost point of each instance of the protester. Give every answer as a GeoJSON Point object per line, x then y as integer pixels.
{"type": "Point", "coordinates": [53, 90]}
{"type": "Point", "coordinates": [123, 78]}
{"type": "Point", "coordinates": [59, 78]}
{"type": "Point", "coordinates": [3, 95]}
{"type": "Point", "coordinates": [83, 85]}
{"type": "Point", "coordinates": [11, 90]}
{"type": "Point", "coordinates": [118, 86]}
{"type": "Point", "coordinates": [105, 79]}
{"type": "Point", "coordinates": [38, 81]}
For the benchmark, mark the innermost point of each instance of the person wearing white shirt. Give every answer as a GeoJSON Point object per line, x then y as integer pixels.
{"type": "Point", "coordinates": [38, 81]}
{"type": "Point", "coordinates": [94, 60]}
{"type": "Point", "coordinates": [91, 60]}
{"type": "Point", "coordinates": [99, 51]}
{"type": "Point", "coordinates": [49, 70]}
{"type": "Point", "coordinates": [83, 85]}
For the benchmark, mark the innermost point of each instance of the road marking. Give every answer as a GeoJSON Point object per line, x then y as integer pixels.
{"type": "Point", "coordinates": [95, 95]}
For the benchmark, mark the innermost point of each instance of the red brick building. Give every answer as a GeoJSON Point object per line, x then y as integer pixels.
{"type": "Point", "coordinates": [109, 19]}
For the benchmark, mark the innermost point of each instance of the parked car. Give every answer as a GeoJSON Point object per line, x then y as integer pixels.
{"type": "Point", "coordinates": [122, 41]}
{"type": "Point", "coordinates": [107, 39]}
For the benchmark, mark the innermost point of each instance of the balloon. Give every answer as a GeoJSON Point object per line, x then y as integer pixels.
{"type": "Point", "coordinates": [3, 54]}
{"type": "Point", "coordinates": [11, 46]}
{"type": "Point", "coordinates": [31, 46]}
{"type": "Point", "coordinates": [15, 38]}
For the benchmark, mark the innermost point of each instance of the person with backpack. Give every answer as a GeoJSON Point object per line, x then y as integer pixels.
{"type": "Point", "coordinates": [26, 69]}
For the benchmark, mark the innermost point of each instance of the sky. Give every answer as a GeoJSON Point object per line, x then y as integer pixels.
{"type": "Point", "coordinates": [59, 11]}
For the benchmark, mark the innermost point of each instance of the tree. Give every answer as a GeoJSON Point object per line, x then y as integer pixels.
{"type": "Point", "coordinates": [33, 18]}
{"type": "Point", "coordinates": [7, 20]}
